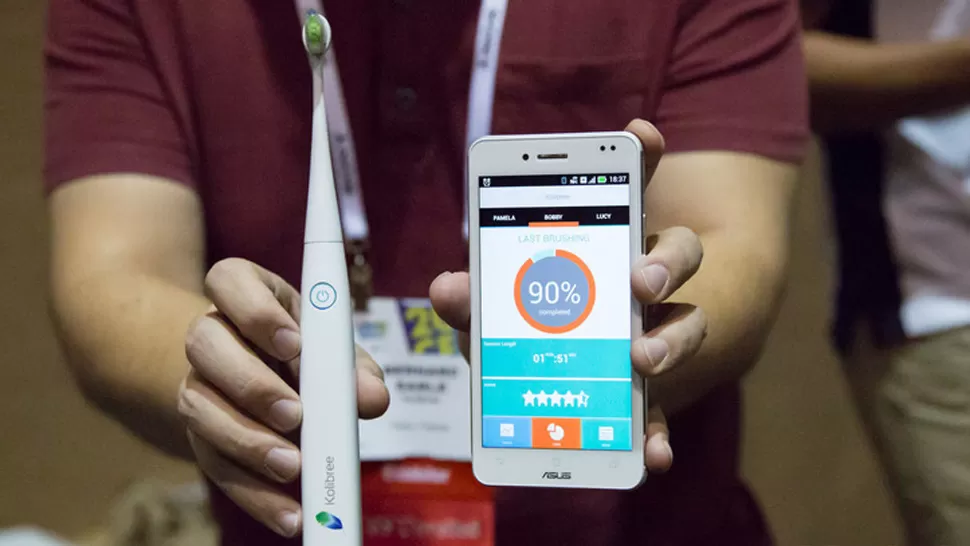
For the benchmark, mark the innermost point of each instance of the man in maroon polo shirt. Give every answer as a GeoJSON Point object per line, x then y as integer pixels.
{"type": "Point", "coordinates": [177, 137]}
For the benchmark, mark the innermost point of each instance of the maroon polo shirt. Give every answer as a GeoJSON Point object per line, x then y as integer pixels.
{"type": "Point", "coordinates": [216, 96]}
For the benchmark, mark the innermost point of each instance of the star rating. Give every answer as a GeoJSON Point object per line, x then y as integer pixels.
{"type": "Point", "coordinates": [555, 399]}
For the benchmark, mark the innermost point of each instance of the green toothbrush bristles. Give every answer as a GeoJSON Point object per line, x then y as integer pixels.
{"type": "Point", "coordinates": [314, 35]}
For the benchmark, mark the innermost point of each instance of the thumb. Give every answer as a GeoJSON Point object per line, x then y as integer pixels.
{"type": "Point", "coordinates": [451, 299]}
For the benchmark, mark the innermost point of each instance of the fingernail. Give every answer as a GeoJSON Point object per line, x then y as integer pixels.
{"type": "Point", "coordinates": [287, 343]}
{"type": "Point", "coordinates": [289, 523]}
{"type": "Point", "coordinates": [286, 414]}
{"type": "Point", "coordinates": [283, 462]}
{"type": "Point", "coordinates": [670, 450]}
{"type": "Point", "coordinates": [655, 349]}
{"type": "Point", "coordinates": [655, 276]}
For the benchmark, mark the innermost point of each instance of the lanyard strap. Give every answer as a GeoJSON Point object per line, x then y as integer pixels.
{"type": "Point", "coordinates": [488, 39]}
{"type": "Point", "coordinates": [481, 94]}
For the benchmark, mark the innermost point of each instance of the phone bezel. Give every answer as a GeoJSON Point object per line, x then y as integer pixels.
{"type": "Point", "coordinates": [503, 155]}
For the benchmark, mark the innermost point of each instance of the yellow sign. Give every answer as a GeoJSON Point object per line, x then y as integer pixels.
{"type": "Point", "coordinates": [427, 332]}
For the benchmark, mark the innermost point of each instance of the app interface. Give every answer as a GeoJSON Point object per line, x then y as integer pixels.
{"type": "Point", "coordinates": [556, 311]}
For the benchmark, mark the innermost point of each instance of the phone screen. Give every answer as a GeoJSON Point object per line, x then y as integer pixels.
{"type": "Point", "coordinates": [556, 311]}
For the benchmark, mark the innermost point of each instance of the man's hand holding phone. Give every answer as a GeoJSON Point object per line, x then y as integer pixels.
{"type": "Point", "coordinates": [676, 329]}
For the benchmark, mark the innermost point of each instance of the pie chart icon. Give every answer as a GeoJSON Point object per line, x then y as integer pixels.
{"type": "Point", "coordinates": [556, 432]}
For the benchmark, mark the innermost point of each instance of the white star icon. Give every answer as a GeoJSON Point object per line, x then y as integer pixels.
{"type": "Point", "coordinates": [543, 398]}
{"type": "Point", "coordinates": [556, 398]}
{"type": "Point", "coordinates": [530, 399]}
{"type": "Point", "coordinates": [570, 399]}
{"type": "Point", "coordinates": [583, 399]}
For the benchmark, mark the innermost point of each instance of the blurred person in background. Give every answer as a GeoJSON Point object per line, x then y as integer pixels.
{"type": "Point", "coordinates": [177, 160]}
{"type": "Point", "coordinates": [890, 92]}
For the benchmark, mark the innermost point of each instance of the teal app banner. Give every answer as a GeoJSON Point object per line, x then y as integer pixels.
{"type": "Point", "coordinates": [556, 358]}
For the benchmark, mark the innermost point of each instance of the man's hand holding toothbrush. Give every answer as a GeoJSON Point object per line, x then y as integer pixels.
{"type": "Point", "coordinates": [239, 400]}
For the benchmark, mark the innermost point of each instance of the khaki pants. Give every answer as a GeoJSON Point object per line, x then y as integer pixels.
{"type": "Point", "coordinates": [915, 402]}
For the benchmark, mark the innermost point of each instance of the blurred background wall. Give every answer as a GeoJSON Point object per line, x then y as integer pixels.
{"type": "Point", "coordinates": [62, 464]}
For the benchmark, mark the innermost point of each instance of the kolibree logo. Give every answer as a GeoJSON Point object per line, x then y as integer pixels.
{"type": "Point", "coordinates": [329, 521]}
{"type": "Point", "coordinates": [330, 483]}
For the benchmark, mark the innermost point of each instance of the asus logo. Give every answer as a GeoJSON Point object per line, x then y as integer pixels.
{"type": "Point", "coordinates": [557, 475]}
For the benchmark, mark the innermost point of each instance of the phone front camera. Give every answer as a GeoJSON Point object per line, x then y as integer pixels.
{"type": "Point", "coordinates": [602, 148]}
{"type": "Point", "coordinates": [525, 157]}
{"type": "Point", "coordinates": [612, 148]}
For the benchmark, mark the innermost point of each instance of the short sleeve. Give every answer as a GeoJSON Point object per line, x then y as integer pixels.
{"type": "Point", "coordinates": [736, 80]}
{"type": "Point", "coordinates": [106, 109]}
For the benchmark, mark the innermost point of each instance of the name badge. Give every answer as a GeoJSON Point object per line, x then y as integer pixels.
{"type": "Point", "coordinates": [428, 378]}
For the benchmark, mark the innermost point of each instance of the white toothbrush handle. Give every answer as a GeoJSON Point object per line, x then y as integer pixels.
{"type": "Point", "coordinates": [328, 388]}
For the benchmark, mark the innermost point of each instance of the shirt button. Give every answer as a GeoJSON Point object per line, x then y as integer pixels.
{"type": "Point", "coordinates": [404, 98]}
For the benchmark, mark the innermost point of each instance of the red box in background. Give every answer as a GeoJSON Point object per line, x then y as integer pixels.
{"type": "Point", "coordinates": [422, 502]}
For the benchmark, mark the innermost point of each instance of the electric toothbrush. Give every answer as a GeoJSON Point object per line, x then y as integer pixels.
{"type": "Point", "coordinates": [328, 377]}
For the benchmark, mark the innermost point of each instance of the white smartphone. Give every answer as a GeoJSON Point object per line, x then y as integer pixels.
{"type": "Point", "coordinates": [555, 223]}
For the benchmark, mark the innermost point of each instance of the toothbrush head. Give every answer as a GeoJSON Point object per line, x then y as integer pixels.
{"type": "Point", "coordinates": [316, 34]}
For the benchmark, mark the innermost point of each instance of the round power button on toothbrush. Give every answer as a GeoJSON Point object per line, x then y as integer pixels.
{"type": "Point", "coordinates": [323, 296]}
